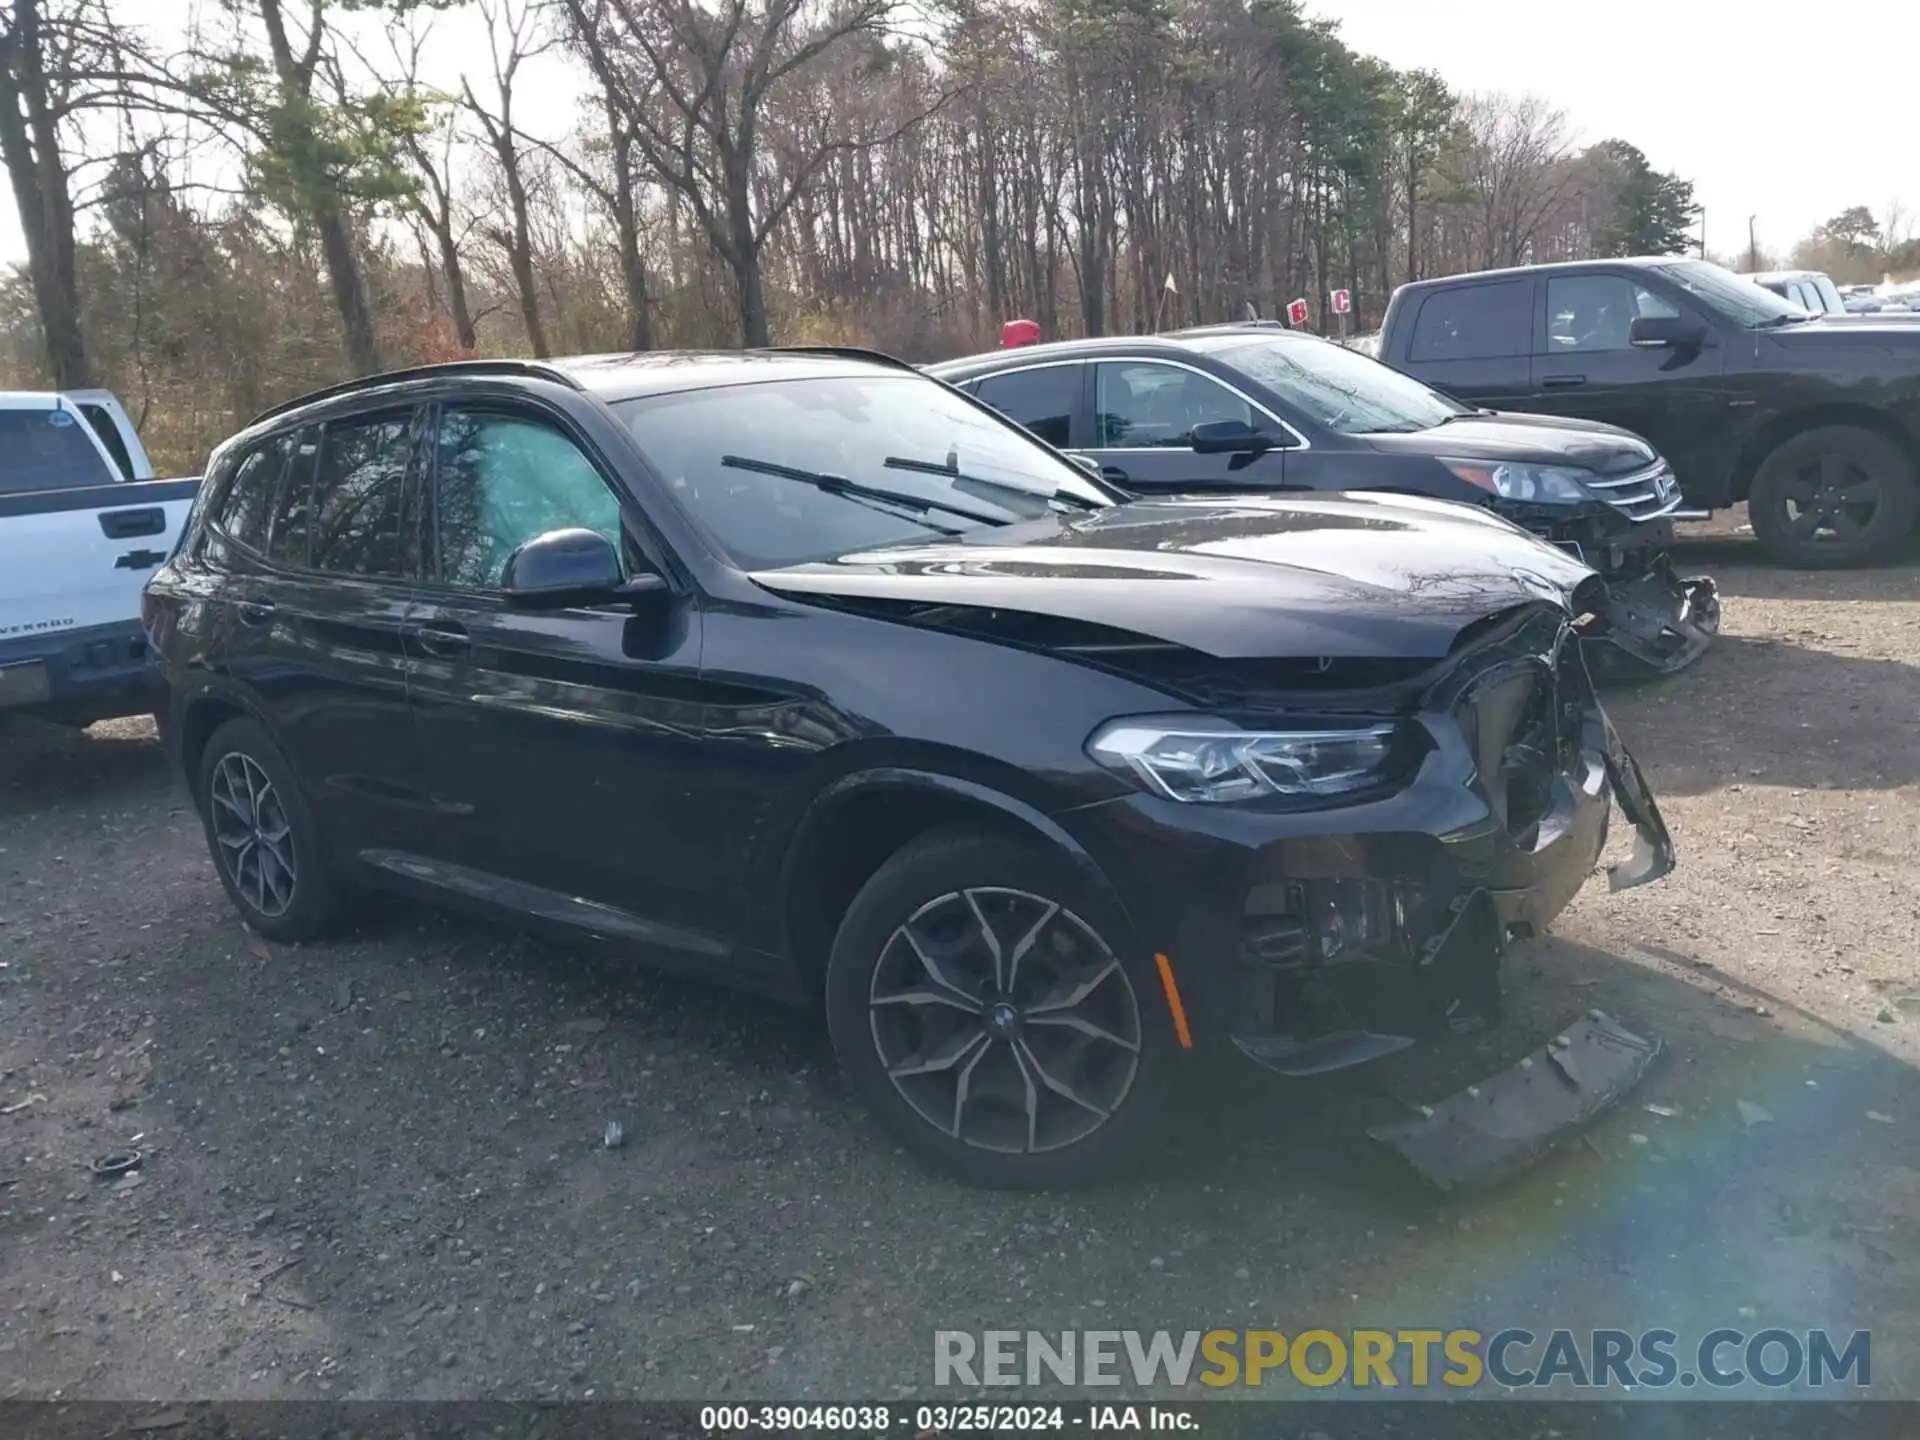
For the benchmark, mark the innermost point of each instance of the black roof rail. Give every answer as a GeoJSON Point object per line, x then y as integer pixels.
{"type": "Point", "coordinates": [529, 369]}
{"type": "Point", "coordinates": [845, 352]}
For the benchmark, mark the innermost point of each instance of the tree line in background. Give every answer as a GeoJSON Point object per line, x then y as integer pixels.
{"type": "Point", "coordinates": [737, 171]}
{"type": "Point", "coordinates": [1856, 248]}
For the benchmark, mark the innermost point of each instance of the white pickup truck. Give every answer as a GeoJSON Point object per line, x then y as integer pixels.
{"type": "Point", "coordinates": [83, 522]}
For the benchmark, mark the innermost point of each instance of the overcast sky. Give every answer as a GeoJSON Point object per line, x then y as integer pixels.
{"type": "Point", "coordinates": [1790, 115]}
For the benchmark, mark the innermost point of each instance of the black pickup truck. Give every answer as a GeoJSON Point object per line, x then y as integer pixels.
{"type": "Point", "coordinates": [1815, 423]}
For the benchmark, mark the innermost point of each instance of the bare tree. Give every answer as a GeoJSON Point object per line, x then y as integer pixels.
{"type": "Point", "coordinates": [295, 68]}
{"type": "Point", "coordinates": [516, 33]}
{"type": "Point", "coordinates": [695, 83]}
{"type": "Point", "coordinates": [619, 192]}
{"type": "Point", "coordinates": [43, 59]}
{"type": "Point", "coordinates": [431, 154]}
{"type": "Point", "coordinates": [1513, 159]}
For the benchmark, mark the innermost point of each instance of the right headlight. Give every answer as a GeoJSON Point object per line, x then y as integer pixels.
{"type": "Point", "coordinates": [1194, 758]}
{"type": "Point", "coordinates": [1542, 484]}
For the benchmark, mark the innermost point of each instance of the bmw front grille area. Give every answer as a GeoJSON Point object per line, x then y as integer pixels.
{"type": "Point", "coordinates": [1338, 971]}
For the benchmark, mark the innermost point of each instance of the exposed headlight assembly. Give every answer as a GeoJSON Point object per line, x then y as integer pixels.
{"type": "Point", "coordinates": [1192, 758]}
{"type": "Point", "coordinates": [1542, 484]}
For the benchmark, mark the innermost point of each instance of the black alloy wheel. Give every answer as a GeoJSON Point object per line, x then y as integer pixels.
{"type": "Point", "coordinates": [985, 1006]}
{"type": "Point", "coordinates": [1004, 1021]}
{"type": "Point", "coordinates": [1836, 496]}
{"type": "Point", "coordinates": [255, 836]}
{"type": "Point", "coordinates": [262, 836]}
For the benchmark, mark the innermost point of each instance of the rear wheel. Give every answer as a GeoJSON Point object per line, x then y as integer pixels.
{"type": "Point", "coordinates": [987, 1006]}
{"type": "Point", "coordinates": [263, 837]}
{"type": "Point", "coordinates": [1839, 495]}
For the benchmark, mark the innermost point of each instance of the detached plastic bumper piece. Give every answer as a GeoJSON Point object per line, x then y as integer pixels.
{"type": "Point", "coordinates": [1655, 623]}
{"type": "Point", "coordinates": [1497, 1128]}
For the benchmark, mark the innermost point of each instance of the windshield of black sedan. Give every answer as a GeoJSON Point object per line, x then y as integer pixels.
{"type": "Point", "coordinates": [1729, 295]}
{"type": "Point", "coordinates": [782, 472]}
{"type": "Point", "coordinates": [1334, 386]}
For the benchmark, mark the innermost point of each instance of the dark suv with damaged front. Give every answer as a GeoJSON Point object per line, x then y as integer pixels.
{"type": "Point", "coordinates": [807, 673]}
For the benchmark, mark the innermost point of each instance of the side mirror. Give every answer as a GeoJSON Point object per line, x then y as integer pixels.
{"type": "Point", "coordinates": [1228, 437]}
{"type": "Point", "coordinates": [1087, 463]}
{"type": "Point", "coordinates": [1665, 332]}
{"type": "Point", "coordinates": [570, 567]}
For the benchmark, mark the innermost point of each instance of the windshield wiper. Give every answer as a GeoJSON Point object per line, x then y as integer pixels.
{"type": "Point", "coordinates": [853, 490]}
{"type": "Point", "coordinates": [953, 472]}
{"type": "Point", "coordinates": [1774, 321]}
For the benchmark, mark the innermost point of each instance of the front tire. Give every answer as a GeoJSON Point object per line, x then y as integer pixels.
{"type": "Point", "coordinates": [1832, 497]}
{"type": "Point", "coordinates": [262, 836]}
{"type": "Point", "coordinates": [989, 1007]}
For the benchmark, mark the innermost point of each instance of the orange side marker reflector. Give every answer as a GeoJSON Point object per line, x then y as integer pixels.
{"type": "Point", "coordinates": [1180, 1030]}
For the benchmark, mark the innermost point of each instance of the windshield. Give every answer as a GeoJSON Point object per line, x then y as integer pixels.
{"type": "Point", "coordinates": [1730, 296]}
{"type": "Point", "coordinates": [1334, 386]}
{"type": "Point", "coordinates": [787, 471]}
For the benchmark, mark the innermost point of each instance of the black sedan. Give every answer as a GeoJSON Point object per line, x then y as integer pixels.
{"type": "Point", "coordinates": [1244, 409]}
{"type": "Point", "coordinates": [806, 673]}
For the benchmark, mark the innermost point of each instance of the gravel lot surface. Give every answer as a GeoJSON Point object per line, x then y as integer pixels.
{"type": "Point", "coordinates": [374, 1168]}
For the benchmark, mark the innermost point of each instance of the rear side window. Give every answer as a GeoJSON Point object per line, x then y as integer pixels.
{"type": "Point", "coordinates": [359, 488]}
{"type": "Point", "coordinates": [1475, 322]}
{"type": "Point", "coordinates": [1043, 400]}
{"type": "Point", "coordinates": [290, 530]}
{"type": "Point", "coordinates": [246, 511]}
{"type": "Point", "coordinates": [48, 450]}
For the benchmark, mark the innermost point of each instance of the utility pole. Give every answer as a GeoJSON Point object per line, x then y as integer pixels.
{"type": "Point", "coordinates": [1703, 232]}
{"type": "Point", "coordinates": [1753, 246]}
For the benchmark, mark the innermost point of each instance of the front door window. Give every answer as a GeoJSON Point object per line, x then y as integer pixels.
{"type": "Point", "coordinates": [1141, 405]}
{"type": "Point", "coordinates": [502, 480]}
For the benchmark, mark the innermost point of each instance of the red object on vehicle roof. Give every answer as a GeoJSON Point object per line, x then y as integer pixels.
{"type": "Point", "coordinates": [1019, 332]}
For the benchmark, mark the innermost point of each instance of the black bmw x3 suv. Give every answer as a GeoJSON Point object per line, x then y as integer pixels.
{"type": "Point", "coordinates": [809, 673]}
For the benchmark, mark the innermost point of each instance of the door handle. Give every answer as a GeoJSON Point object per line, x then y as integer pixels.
{"type": "Point", "coordinates": [126, 524]}
{"type": "Point", "coordinates": [254, 612]}
{"type": "Point", "coordinates": [443, 639]}
{"type": "Point", "coordinates": [1562, 382]}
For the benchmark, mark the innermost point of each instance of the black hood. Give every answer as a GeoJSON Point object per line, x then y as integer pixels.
{"type": "Point", "coordinates": [1526, 440]}
{"type": "Point", "coordinates": [1338, 576]}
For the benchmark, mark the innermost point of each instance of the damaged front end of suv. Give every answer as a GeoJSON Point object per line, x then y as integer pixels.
{"type": "Point", "coordinates": [1384, 923]}
{"type": "Point", "coordinates": [1354, 755]}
